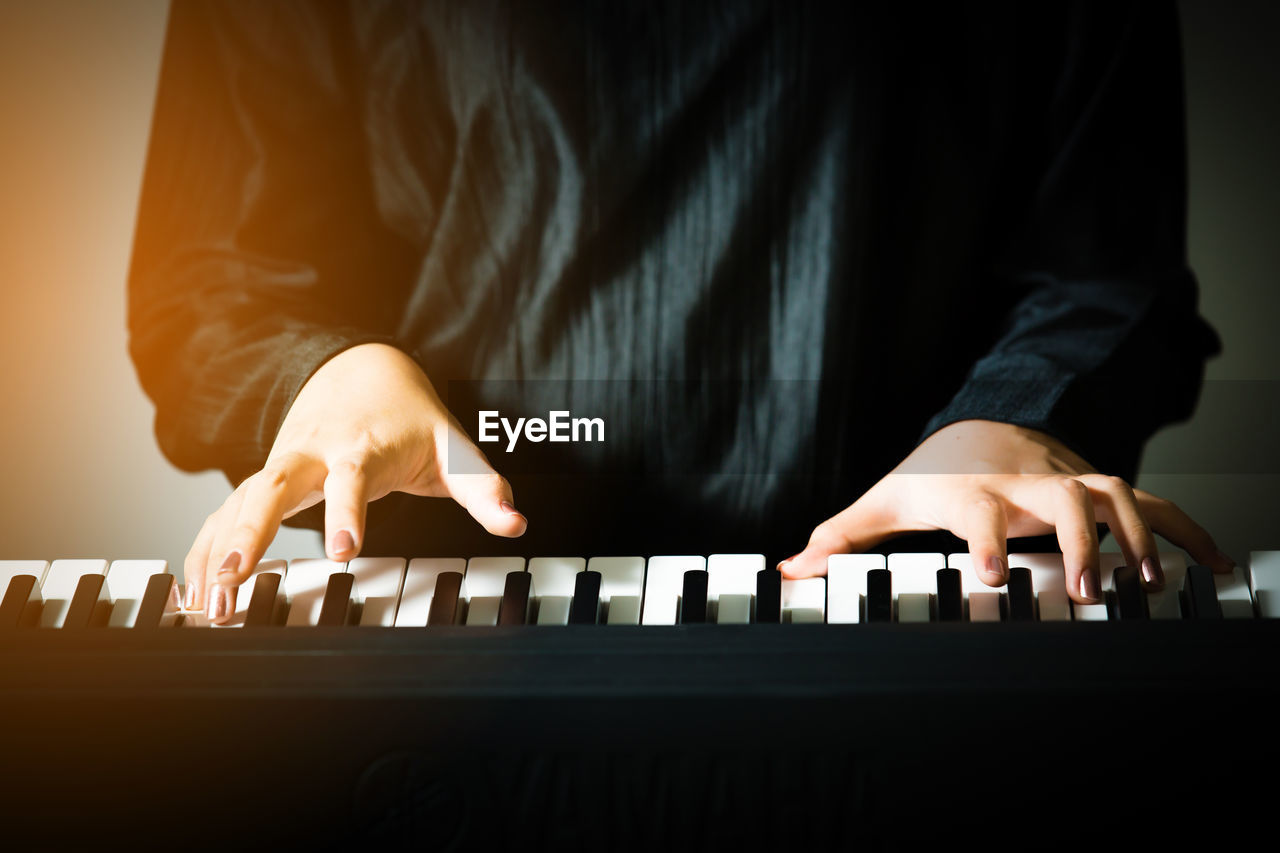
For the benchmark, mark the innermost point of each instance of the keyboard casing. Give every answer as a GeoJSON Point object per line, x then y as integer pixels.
{"type": "Point", "coordinates": [705, 737]}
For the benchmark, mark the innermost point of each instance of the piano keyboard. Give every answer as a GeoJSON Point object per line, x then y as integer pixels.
{"type": "Point", "coordinates": [618, 590]}
{"type": "Point", "coordinates": [608, 721]}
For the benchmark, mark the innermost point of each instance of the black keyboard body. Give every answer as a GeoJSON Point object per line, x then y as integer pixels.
{"type": "Point", "coordinates": [779, 737]}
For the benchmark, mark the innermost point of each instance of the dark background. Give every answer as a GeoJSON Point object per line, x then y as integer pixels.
{"type": "Point", "coordinates": [80, 473]}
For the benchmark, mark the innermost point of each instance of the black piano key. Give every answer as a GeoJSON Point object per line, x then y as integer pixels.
{"type": "Point", "coordinates": [84, 601]}
{"type": "Point", "coordinates": [337, 600]}
{"type": "Point", "coordinates": [14, 603]}
{"type": "Point", "coordinates": [157, 599]}
{"type": "Point", "coordinates": [585, 608]}
{"type": "Point", "coordinates": [1130, 601]}
{"type": "Point", "coordinates": [879, 595]}
{"type": "Point", "coordinates": [769, 596]}
{"type": "Point", "coordinates": [262, 605]}
{"type": "Point", "coordinates": [444, 601]}
{"type": "Point", "coordinates": [1199, 595]}
{"type": "Point", "coordinates": [950, 600]}
{"type": "Point", "coordinates": [1022, 600]}
{"type": "Point", "coordinates": [514, 609]}
{"type": "Point", "coordinates": [693, 598]}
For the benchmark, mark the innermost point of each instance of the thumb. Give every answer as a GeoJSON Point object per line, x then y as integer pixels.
{"type": "Point", "coordinates": [481, 491]}
{"type": "Point", "coordinates": [858, 527]}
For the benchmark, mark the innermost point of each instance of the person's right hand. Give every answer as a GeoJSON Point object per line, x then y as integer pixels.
{"type": "Point", "coordinates": [367, 423]}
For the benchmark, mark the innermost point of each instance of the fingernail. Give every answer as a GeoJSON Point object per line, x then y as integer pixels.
{"type": "Point", "coordinates": [1151, 572]}
{"type": "Point", "coordinates": [1089, 586]}
{"type": "Point", "coordinates": [343, 542]}
{"type": "Point", "coordinates": [1226, 559]}
{"type": "Point", "coordinates": [219, 602]}
{"type": "Point", "coordinates": [995, 566]}
{"type": "Point", "coordinates": [192, 597]}
{"type": "Point", "coordinates": [231, 564]}
{"type": "Point", "coordinates": [787, 561]}
{"type": "Point", "coordinates": [508, 508]}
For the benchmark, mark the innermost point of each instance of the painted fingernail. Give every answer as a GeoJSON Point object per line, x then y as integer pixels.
{"type": "Point", "coordinates": [231, 564]}
{"type": "Point", "coordinates": [219, 602]}
{"type": "Point", "coordinates": [192, 598]}
{"type": "Point", "coordinates": [1151, 572]}
{"type": "Point", "coordinates": [343, 542]}
{"type": "Point", "coordinates": [995, 566]}
{"type": "Point", "coordinates": [1089, 586]}
{"type": "Point", "coordinates": [508, 508]}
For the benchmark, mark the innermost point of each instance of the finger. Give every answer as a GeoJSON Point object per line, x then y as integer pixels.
{"type": "Point", "coordinates": [268, 496]}
{"type": "Point", "coordinates": [481, 491]}
{"type": "Point", "coordinates": [985, 527]}
{"type": "Point", "coordinates": [861, 525]}
{"type": "Point", "coordinates": [1064, 503]}
{"type": "Point", "coordinates": [1115, 505]}
{"type": "Point", "coordinates": [346, 499]}
{"type": "Point", "coordinates": [1175, 525]}
{"type": "Point", "coordinates": [193, 567]}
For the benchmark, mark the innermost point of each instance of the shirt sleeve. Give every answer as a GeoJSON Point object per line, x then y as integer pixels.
{"type": "Point", "coordinates": [1104, 344]}
{"type": "Point", "coordinates": [258, 253]}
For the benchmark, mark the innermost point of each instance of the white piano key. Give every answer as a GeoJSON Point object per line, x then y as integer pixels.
{"type": "Point", "coordinates": [1090, 612]}
{"type": "Point", "coordinates": [915, 583]}
{"type": "Point", "coordinates": [731, 579]}
{"type": "Point", "coordinates": [733, 608]}
{"type": "Point", "coordinates": [377, 586]}
{"type": "Point", "coordinates": [1264, 582]}
{"type": "Point", "coordinates": [420, 585]}
{"type": "Point", "coordinates": [244, 594]}
{"type": "Point", "coordinates": [984, 606]}
{"type": "Point", "coordinates": [304, 586]}
{"type": "Point", "coordinates": [60, 585]}
{"type": "Point", "coordinates": [804, 600]}
{"type": "Point", "coordinates": [663, 583]}
{"type": "Point", "coordinates": [914, 607]}
{"type": "Point", "coordinates": [10, 569]}
{"type": "Point", "coordinates": [1233, 594]}
{"type": "Point", "coordinates": [847, 585]}
{"type": "Point", "coordinates": [126, 583]}
{"type": "Point", "coordinates": [982, 601]}
{"type": "Point", "coordinates": [553, 582]}
{"type": "Point", "coordinates": [923, 563]}
{"type": "Point", "coordinates": [621, 587]}
{"type": "Point", "coordinates": [483, 585]}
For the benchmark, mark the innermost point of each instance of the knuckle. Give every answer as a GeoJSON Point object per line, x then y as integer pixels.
{"type": "Point", "coordinates": [349, 469]}
{"type": "Point", "coordinates": [366, 443]}
{"type": "Point", "coordinates": [985, 504]}
{"type": "Point", "coordinates": [1115, 485]}
{"type": "Point", "coordinates": [1075, 489]}
{"type": "Point", "coordinates": [276, 477]}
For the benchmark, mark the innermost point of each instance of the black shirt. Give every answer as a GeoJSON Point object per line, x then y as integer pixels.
{"type": "Point", "coordinates": [772, 245]}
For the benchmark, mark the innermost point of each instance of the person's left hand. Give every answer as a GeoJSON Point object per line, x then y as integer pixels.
{"type": "Point", "coordinates": [985, 482]}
